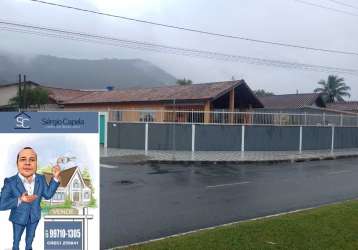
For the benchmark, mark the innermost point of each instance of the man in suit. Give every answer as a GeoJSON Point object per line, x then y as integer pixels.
{"type": "Point", "coordinates": [23, 192]}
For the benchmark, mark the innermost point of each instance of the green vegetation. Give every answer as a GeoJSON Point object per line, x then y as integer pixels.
{"type": "Point", "coordinates": [43, 170]}
{"type": "Point", "coordinates": [184, 82]}
{"type": "Point", "coordinates": [86, 174]}
{"type": "Point", "coordinates": [328, 227]}
{"type": "Point", "coordinates": [46, 207]}
{"type": "Point", "coordinates": [30, 97]}
{"type": "Point", "coordinates": [334, 89]}
{"type": "Point", "coordinates": [67, 203]}
{"type": "Point", "coordinates": [93, 202]}
{"type": "Point", "coordinates": [262, 93]}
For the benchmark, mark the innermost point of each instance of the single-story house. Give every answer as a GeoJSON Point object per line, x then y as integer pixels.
{"type": "Point", "coordinates": [218, 96]}
{"type": "Point", "coordinates": [292, 102]}
{"type": "Point", "coordinates": [56, 95]}
{"type": "Point", "coordinates": [72, 187]}
{"type": "Point", "coordinates": [349, 106]}
{"type": "Point", "coordinates": [307, 108]}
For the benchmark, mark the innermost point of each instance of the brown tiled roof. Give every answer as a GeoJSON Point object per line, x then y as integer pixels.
{"type": "Point", "coordinates": [205, 91]}
{"type": "Point", "coordinates": [60, 95]}
{"type": "Point", "coordinates": [88, 182]}
{"type": "Point", "coordinates": [344, 106]}
{"type": "Point", "coordinates": [292, 101]}
{"type": "Point", "coordinates": [65, 175]}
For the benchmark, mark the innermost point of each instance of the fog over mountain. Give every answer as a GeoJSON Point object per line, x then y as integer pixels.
{"type": "Point", "coordinates": [83, 73]}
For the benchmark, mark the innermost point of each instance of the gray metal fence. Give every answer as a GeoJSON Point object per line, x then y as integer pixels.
{"type": "Point", "coordinates": [221, 137]}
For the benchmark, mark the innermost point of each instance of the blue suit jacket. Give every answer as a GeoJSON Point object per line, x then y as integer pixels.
{"type": "Point", "coordinates": [25, 212]}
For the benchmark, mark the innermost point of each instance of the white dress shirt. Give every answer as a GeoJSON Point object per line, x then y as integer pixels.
{"type": "Point", "coordinates": [29, 186]}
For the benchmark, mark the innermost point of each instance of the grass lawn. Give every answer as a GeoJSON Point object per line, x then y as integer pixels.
{"type": "Point", "coordinates": [328, 227]}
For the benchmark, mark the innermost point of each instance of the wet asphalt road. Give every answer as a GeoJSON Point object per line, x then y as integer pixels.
{"type": "Point", "coordinates": [142, 202]}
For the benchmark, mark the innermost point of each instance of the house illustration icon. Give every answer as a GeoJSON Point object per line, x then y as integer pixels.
{"type": "Point", "coordinates": [73, 187]}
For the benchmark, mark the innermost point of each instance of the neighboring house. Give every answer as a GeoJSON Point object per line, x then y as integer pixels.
{"type": "Point", "coordinates": [309, 108]}
{"type": "Point", "coordinates": [58, 96]}
{"type": "Point", "coordinates": [217, 96]}
{"type": "Point", "coordinates": [350, 106]}
{"type": "Point", "coordinates": [8, 91]}
{"type": "Point", "coordinates": [293, 102]}
{"type": "Point", "coordinates": [72, 186]}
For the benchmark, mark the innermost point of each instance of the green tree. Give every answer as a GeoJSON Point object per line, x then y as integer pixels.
{"type": "Point", "coordinates": [86, 174]}
{"type": "Point", "coordinates": [334, 89]}
{"type": "Point", "coordinates": [30, 97]}
{"type": "Point", "coordinates": [184, 82]}
{"type": "Point", "coordinates": [262, 92]}
{"type": "Point", "coordinates": [93, 202]}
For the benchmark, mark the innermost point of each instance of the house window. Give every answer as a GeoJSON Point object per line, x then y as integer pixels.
{"type": "Point", "coordinates": [86, 195]}
{"type": "Point", "coordinates": [76, 184]}
{"type": "Point", "coordinates": [220, 116]}
{"type": "Point", "coordinates": [59, 196]}
{"type": "Point", "coordinates": [118, 116]}
{"type": "Point", "coordinates": [147, 116]}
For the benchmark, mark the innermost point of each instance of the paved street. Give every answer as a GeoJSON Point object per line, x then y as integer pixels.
{"type": "Point", "coordinates": [142, 202]}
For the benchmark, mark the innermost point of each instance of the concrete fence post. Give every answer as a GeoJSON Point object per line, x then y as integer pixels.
{"type": "Point", "coordinates": [332, 141]}
{"type": "Point", "coordinates": [146, 138]}
{"type": "Point", "coordinates": [106, 116]}
{"type": "Point", "coordinates": [193, 138]}
{"type": "Point", "coordinates": [300, 143]}
{"type": "Point", "coordinates": [243, 138]}
{"type": "Point", "coordinates": [305, 123]}
{"type": "Point", "coordinates": [280, 118]}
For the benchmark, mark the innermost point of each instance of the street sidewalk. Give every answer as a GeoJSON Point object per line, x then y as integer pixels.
{"type": "Point", "coordinates": [220, 157]}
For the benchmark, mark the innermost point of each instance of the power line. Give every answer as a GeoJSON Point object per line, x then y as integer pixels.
{"type": "Point", "coordinates": [323, 7]}
{"type": "Point", "coordinates": [343, 4]}
{"type": "Point", "coordinates": [200, 31]}
{"type": "Point", "coordinates": [145, 46]}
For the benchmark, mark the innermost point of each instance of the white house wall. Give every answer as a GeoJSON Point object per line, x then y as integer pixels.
{"type": "Point", "coordinates": [6, 93]}
{"type": "Point", "coordinates": [75, 178]}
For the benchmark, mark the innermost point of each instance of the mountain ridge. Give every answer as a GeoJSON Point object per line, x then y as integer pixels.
{"type": "Point", "coordinates": [84, 73]}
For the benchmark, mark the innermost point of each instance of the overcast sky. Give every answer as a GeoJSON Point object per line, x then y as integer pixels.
{"type": "Point", "coordinates": [285, 21]}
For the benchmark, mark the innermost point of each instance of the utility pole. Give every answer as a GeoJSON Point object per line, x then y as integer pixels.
{"type": "Point", "coordinates": [20, 94]}
{"type": "Point", "coordinates": [24, 93]}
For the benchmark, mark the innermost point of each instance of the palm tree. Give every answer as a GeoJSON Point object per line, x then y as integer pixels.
{"type": "Point", "coordinates": [333, 89]}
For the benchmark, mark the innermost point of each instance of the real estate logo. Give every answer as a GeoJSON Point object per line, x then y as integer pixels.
{"type": "Point", "coordinates": [22, 121]}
